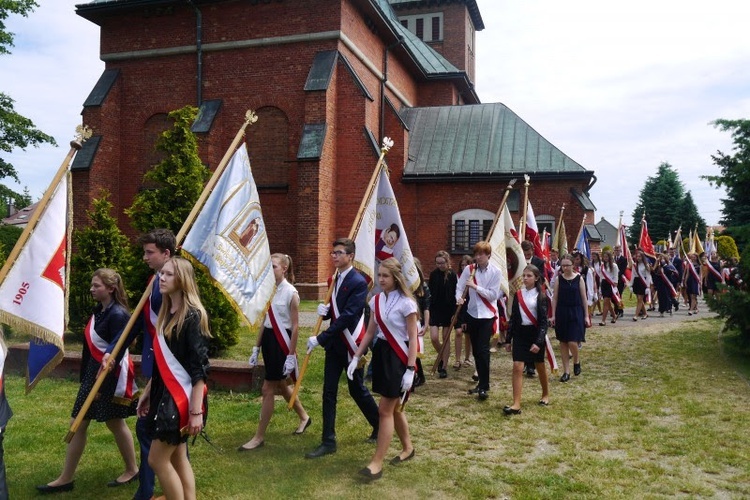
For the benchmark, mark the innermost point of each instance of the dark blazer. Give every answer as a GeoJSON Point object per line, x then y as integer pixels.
{"type": "Point", "coordinates": [5, 411]}
{"type": "Point", "coordinates": [541, 312]}
{"type": "Point", "coordinates": [539, 263]}
{"type": "Point", "coordinates": [350, 300]}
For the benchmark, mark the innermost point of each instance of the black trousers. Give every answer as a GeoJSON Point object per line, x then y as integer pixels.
{"type": "Point", "coordinates": [480, 332]}
{"type": "Point", "coordinates": [336, 363]}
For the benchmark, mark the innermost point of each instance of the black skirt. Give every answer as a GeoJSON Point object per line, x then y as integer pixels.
{"type": "Point", "coordinates": [273, 357]}
{"type": "Point", "coordinates": [523, 339]}
{"type": "Point", "coordinates": [103, 408]}
{"type": "Point", "coordinates": [387, 370]}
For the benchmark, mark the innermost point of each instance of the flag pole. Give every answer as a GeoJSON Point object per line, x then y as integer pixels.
{"type": "Point", "coordinates": [522, 224]}
{"type": "Point", "coordinates": [454, 319]}
{"type": "Point", "coordinates": [250, 118]}
{"type": "Point", "coordinates": [556, 242]}
{"type": "Point", "coordinates": [82, 134]}
{"type": "Point", "coordinates": [387, 144]}
{"type": "Point", "coordinates": [580, 231]}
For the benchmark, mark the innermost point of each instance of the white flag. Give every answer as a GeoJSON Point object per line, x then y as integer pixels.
{"type": "Point", "coordinates": [229, 239]}
{"type": "Point", "coordinates": [33, 293]}
{"type": "Point", "coordinates": [514, 253]}
{"type": "Point", "coordinates": [381, 235]}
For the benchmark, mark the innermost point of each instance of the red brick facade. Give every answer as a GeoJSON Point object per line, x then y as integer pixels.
{"type": "Point", "coordinates": [306, 203]}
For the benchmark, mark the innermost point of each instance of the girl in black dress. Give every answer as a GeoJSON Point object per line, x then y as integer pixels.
{"type": "Point", "coordinates": [115, 402]}
{"type": "Point", "coordinates": [569, 315]}
{"type": "Point", "coordinates": [442, 284]}
{"type": "Point", "coordinates": [527, 335]}
{"type": "Point", "coordinates": [174, 399]}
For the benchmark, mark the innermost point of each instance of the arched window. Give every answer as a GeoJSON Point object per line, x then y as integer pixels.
{"type": "Point", "coordinates": [469, 227]}
{"type": "Point", "coordinates": [268, 147]}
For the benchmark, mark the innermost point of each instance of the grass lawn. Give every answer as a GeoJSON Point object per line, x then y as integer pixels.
{"type": "Point", "coordinates": [660, 410]}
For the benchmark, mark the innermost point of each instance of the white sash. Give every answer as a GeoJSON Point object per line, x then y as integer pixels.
{"type": "Point", "coordinates": [176, 378]}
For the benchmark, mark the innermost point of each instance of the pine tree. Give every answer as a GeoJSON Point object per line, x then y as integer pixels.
{"type": "Point", "coordinates": [176, 184]}
{"type": "Point", "coordinates": [660, 199]}
{"type": "Point", "coordinates": [689, 217]}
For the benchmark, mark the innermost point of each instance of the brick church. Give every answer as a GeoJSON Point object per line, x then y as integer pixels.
{"type": "Point", "coordinates": [328, 80]}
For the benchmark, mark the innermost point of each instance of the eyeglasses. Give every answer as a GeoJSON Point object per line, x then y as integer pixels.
{"type": "Point", "coordinates": [337, 253]}
{"type": "Point", "coordinates": [566, 265]}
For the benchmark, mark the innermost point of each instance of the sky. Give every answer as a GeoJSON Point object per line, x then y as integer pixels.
{"type": "Point", "coordinates": [619, 87]}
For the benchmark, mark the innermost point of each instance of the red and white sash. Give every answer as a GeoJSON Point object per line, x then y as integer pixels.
{"type": "Point", "coordinates": [549, 352]}
{"type": "Point", "coordinates": [694, 274]}
{"type": "Point", "coordinates": [283, 338]}
{"type": "Point", "coordinates": [613, 285]}
{"type": "Point", "coordinates": [176, 379]}
{"type": "Point", "coordinates": [645, 285]}
{"type": "Point", "coordinates": [525, 309]}
{"type": "Point", "coordinates": [397, 344]}
{"type": "Point", "coordinates": [492, 308]}
{"type": "Point", "coordinates": [666, 280]}
{"type": "Point", "coordinates": [125, 388]}
{"type": "Point", "coordinates": [713, 271]}
{"type": "Point", "coordinates": [352, 340]}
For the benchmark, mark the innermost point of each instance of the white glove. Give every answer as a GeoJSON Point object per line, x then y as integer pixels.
{"type": "Point", "coordinates": [312, 343]}
{"type": "Point", "coordinates": [289, 365]}
{"type": "Point", "coordinates": [407, 380]}
{"type": "Point", "coordinates": [253, 361]}
{"type": "Point", "coordinates": [323, 309]}
{"type": "Point", "coordinates": [352, 367]}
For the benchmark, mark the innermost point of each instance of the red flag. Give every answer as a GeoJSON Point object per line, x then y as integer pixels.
{"type": "Point", "coordinates": [647, 247]}
{"type": "Point", "coordinates": [623, 241]}
{"type": "Point", "coordinates": [531, 233]}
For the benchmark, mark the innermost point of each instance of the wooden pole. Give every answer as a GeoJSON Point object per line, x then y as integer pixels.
{"type": "Point", "coordinates": [250, 118]}
{"type": "Point", "coordinates": [522, 225]}
{"type": "Point", "coordinates": [387, 144]}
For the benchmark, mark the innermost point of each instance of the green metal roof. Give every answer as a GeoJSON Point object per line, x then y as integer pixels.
{"type": "Point", "coordinates": [479, 140]}
{"type": "Point", "coordinates": [431, 62]}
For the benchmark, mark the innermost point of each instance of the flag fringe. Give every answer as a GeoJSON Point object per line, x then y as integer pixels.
{"type": "Point", "coordinates": [31, 328]}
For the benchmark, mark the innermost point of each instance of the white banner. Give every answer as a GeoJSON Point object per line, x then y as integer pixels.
{"type": "Point", "coordinates": [381, 224]}
{"type": "Point", "coordinates": [229, 238]}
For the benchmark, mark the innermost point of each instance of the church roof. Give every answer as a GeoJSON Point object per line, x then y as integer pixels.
{"type": "Point", "coordinates": [480, 141]}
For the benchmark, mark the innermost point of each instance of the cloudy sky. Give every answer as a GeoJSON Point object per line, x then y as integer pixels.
{"type": "Point", "coordinates": [618, 87]}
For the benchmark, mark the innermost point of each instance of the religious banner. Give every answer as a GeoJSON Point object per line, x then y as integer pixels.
{"type": "Point", "coordinates": [229, 239]}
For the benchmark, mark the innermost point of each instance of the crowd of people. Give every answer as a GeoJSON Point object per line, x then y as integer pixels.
{"type": "Point", "coordinates": [563, 293]}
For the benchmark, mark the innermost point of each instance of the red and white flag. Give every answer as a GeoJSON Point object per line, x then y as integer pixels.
{"type": "Point", "coordinates": [33, 292]}
{"type": "Point", "coordinates": [531, 233]}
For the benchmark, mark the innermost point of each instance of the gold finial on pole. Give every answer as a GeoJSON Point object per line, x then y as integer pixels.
{"type": "Point", "coordinates": [83, 133]}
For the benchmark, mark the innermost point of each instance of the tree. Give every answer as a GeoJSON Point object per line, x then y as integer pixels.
{"type": "Point", "coordinates": [689, 216]}
{"type": "Point", "coordinates": [176, 183]}
{"type": "Point", "coordinates": [16, 131]}
{"type": "Point", "coordinates": [100, 244]}
{"type": "Point", "coordinates": [735, 177]}
{"type": "Point", "coordinates": [660, 199]}
{"type": "Point", "coordinates": [726, 247]}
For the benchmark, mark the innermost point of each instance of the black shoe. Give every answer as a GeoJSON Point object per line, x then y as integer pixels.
{"type": "Point", "coordinates": [115, 483]}
{"type": "Point", "coordinates": [321, 450]}
{"type": "Point", "coordinates": [46, 489]}
{"type": "Point", "coordinates": [620, 313]}
{"type": "Point", "coordinates": [442, 373]}
{"type": "Point", "coordinates": [308, 424]}
{"type": "Point", "coordinates": [369, 475]}
{"type": "Point", "coordinates": [474, 391]}
{"type": "Point", "coordinates": [511, 411]}
{"type": "Point", "coordinates": [531, 373]}
{"type": "Point", "coordinates": [475, 377]}
{"type": "Point", "coordinates": [565, 377]}
{"type": "Point", "coordinates": [482, 395]}
{"type": "Point", "coordinates": [576, 369]}
{"type": "Point", "coordinates": [373, 438]}
{"type": "Point", "coordinates": [397, 459]}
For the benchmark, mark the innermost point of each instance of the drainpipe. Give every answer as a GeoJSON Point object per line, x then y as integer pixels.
{"type": "Point", "coordinates": [199, 50]}
{"type": "Point", "coordinates": [388, 48]}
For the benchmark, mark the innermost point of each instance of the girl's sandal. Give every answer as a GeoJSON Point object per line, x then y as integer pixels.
{"type": "Point", "coordinates": [457, 365]}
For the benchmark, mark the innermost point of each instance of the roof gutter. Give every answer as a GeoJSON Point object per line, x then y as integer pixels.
{"type": "Point", "coordinates": [494, 177]}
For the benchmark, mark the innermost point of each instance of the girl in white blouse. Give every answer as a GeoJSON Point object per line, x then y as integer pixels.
{"type": "Point", "coordinates": [394, 320]}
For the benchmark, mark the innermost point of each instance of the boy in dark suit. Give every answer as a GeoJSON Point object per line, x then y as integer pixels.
{"type": "Point", "coordinates": [340, 341]}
